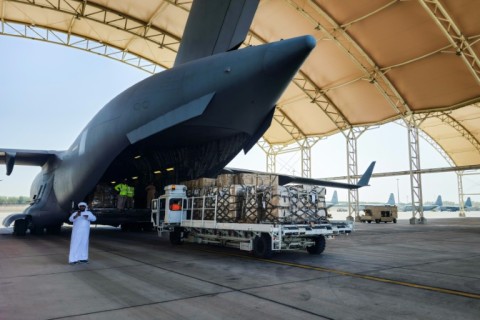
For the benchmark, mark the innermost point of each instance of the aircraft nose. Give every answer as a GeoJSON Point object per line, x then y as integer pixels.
{"type": "Point", "coordinates": [287, 55]}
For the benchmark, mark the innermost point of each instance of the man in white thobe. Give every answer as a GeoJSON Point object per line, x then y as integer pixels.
{"type": "Point", "coordinates": [80, 233]}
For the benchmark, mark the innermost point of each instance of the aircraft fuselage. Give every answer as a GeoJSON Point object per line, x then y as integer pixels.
{"type": "Point", "coordinates": [195, 118]}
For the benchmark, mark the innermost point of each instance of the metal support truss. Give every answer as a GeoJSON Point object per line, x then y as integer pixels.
{"type": "Point", "coordinates": [306, 151]}
{"type": "Point", "coordinates": [89, 11]}
{"type": "Point", "coordinates": [352, 170]}
{"type": "Point", "coordinates": [415, 178]}
{"type": "Point", "coordinates": [445, 117]}
{"type": "Point", "coordinates": [77, 42]}
{"type": "Point", "coordinates": [271, 152]}
{"type": "Point", "coordinates": [461, 203]}
{"type": "Point", "coordinates": [303, 145]}
{"type": "Point", "coordinates": [437, 147]}
{"type": "Point", "coordinates": [460, 44]}
{"type": "Point", "coordinates": [372, 73]}
{"type": "Point", "coordinates": [317, 96]}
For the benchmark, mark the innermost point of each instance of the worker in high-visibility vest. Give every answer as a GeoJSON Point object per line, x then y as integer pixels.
{"type": "Point", "coordinates": [122, 189]}
{"type": "Point", "coordinates": [130, 195]}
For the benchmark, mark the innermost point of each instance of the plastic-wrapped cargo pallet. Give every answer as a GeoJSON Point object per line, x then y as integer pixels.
{"type": "Point", "coordinates": [104, 197]}
{"type": "Point", "coordinates": [259, 199]}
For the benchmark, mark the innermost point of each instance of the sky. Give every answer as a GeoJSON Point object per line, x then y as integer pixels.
{"type": "Point", "coordinates": [50, 92]}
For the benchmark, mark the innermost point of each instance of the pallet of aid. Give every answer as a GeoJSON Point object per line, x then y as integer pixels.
{"type": "Point", "coordinates": [256, 198]}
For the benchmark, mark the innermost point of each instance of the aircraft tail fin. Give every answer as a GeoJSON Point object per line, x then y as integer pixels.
{"type": "Point", "coordinates": [215, 26]}
{"type": "Point", "coordinates": [335, 198]}
{"type": "Point", "coordinates": [391, 199]}
{"type": "Point", "coordinates": [365, 179]}
{"type": "Point", "coordinates": [439, 201]}
{"type": "Point", "coordinates": [468, 203]}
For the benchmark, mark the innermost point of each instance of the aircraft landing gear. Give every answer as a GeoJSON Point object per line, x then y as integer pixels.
{"type": "Point", "coordinates": [20, 227]}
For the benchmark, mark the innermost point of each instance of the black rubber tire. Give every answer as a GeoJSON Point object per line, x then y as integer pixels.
{"type": "Point", "coordinates": [262, 246]}
{"type": "Point", "coordinates": [369, 221]}
{"type": "Point", "coordinates": [377, 220]}
{"type": "Point", "coordinates": [318, 247]}
{"type": "Point", "coordinates": [394, 220]}
{"type": "Point", "coordinates": [176, 236]}
{"type": "Point", "coordinates": [20, 227]}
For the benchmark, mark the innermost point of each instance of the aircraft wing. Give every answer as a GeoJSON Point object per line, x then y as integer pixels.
{"type": "Point", "coordinates": [285, 179]}
{"type": "Point", "coordinates": [10, 157]}
{"type": "Point", "coordinates": [215, 26]}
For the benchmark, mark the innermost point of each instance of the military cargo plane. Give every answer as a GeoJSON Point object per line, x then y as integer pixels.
{"type": "Point", "coordinates": [192, 119]}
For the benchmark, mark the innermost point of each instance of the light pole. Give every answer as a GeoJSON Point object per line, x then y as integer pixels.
{"type": "Point", "coordinates": [398, 192]}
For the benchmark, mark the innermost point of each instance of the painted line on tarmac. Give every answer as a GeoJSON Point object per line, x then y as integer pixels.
{"type": "Point", "coordinates": [357, 275]}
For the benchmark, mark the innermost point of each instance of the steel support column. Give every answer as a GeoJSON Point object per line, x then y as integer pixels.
{"type": "Point", "coordinates": [306, 161]}
{"type": "Point", "coordinates": [352, 170]}
{"type": "Point", "coordinates": [271, 154]}
{"type": "Point", "coordinates": [306, 153]}
{"type": "Point", "coordinates": [271, 161]}
{"type": "Point", "coordinates": [461, 203]}
{"type": "Point", "coordinates": [415, 178]}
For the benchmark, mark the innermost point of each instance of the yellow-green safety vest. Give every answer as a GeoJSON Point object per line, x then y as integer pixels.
{"type": "Point", "coordinates": [122, 189]}
{"type": "Point", "coordinates": [130, 191]}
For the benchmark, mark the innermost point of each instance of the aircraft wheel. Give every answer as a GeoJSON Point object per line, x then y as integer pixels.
{"type": "Point", "coordinates": [318, 247]}
{"type": "Point", "coordinates": [262, 246]}
{"type": "Point", "coordinates": [20, 227]}
{"type": "Point", "coordinates": [176, 236]}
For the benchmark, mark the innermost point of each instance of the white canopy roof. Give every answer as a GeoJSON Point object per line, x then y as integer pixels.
{"type": "Point", "coordinates": [375, 61]}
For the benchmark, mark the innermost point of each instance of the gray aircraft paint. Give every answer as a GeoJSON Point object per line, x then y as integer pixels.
{"type": "Point", "coordinates": [195, 117]}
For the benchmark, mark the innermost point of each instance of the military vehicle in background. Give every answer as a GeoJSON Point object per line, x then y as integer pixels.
{"type": "Point", "coordinates": [386, 213]}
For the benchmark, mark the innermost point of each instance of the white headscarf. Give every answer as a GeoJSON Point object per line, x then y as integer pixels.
{"type": "Point", "coordinates": [82, 204]}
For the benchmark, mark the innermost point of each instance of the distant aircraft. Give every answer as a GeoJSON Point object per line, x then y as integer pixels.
{"type": "Point", "coordinates": [186, 122]}
{"type": "Point", "coordinates": [426, 207]}
{"type": "Point", "coordinates": [441, 207]}
{"type": "Point", "coordinates": [334, 200]}
{"type": "Point", "coordinates": [469, 205]}
{"type": "Point", "coordinates": [391, 200]}
{"type": "Point", "coordinates": [361, 206]}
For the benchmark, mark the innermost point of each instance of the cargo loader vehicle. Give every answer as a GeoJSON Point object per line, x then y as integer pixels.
{"type": "Point", "coordinates": [262, 220]}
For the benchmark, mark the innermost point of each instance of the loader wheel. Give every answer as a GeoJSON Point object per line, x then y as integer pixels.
{"type": "Point", "coordinates": [176, 236]}
{"type": "Point", "coordinates": [262, 246]}
{"type": "Point", "coordinates": [318, 247]}
{"type": "Point", "coordinates": [20, 227]}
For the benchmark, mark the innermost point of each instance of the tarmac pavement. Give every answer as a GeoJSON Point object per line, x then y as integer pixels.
{"type": "Point", "coordinates": [381, 271]}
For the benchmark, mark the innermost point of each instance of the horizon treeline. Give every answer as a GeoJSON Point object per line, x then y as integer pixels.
{"type": "Point", "coordinates": [14, 200]}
